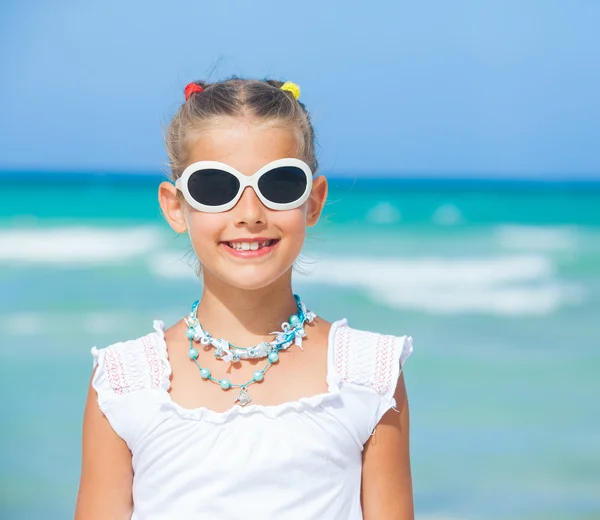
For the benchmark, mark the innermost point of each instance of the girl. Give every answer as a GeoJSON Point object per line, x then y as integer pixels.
{"type": "Point", "coordinates": [251, 406]}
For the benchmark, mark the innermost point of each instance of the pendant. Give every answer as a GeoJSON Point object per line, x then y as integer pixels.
{"type": "Point", "coordinates": [243, 398]}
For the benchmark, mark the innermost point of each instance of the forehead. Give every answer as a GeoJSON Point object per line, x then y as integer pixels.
{"type": "Point", "coordinates": [244, 145]}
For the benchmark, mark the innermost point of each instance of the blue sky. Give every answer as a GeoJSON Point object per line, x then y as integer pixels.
{"type": "Point", "coordinates": [465, 88]}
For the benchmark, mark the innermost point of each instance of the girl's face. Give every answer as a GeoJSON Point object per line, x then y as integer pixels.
{"type": "Point", "coordinates": [218, 237]}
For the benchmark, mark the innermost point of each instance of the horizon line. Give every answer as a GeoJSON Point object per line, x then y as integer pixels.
{"type": "Point", "coordinates": [22, 176]}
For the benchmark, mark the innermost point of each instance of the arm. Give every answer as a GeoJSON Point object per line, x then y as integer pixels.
{"type": "Point", "coordinates": [106, 473]}
{"type": "Point", "coordinates": [386, 480]}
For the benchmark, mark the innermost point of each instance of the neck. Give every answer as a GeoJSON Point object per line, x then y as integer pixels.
{"type": "Point", "coordinates": [242, 315]}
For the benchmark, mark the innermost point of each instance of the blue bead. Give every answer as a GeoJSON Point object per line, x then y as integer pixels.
{"type": "Point", "coordinates": [193, 353]}
{"type": "Point", "coordinates": [190, 333]}
{"type": "Point", "coordinates": [273, 357]}
{"type": "Point", "coordinates": [294, 320]}
{"type": "Point", "coordinates": [225, 384]}
{"type": "Point", "coordinates": [204, 373]}
{"type": "Point", "coordinates": [258, 375]}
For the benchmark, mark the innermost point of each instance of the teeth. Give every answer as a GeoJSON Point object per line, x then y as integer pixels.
{"type": "Point", "coordinates": [248, 246]}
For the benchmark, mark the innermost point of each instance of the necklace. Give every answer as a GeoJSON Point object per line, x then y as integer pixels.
{"type": "Point", "coordinates": [291, 333]}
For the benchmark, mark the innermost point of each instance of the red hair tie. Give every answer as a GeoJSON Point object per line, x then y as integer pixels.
{"type": "Point", "coordinates": [191, 88]}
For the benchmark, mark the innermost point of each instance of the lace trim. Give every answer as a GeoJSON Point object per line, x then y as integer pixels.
{"type": "Point", "coordinates": [384, 360]}
{"type": "Point", "coordinates": [271, 412]}
{"type": "Point", "coordinates": [115, 372]}
{"type": "Point", "coordinates": [369, 358]}
{"type": "Point", "coordinates": [134, 365]}
{"type": "Point", "coordinates": [163, 367]}
{"type": "Point", "coordinates": [342, 351]}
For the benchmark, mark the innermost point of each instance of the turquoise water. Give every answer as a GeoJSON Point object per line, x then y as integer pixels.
{"type": "Point", "coordinates": [499, 284]}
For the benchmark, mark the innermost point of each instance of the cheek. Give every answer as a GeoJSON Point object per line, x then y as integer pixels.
{"type": "Point", "coordinates": [205, 228]}
{"type": "Point", "coordinates": [293, 224]}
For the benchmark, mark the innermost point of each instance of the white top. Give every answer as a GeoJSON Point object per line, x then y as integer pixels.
{"type": "Point", "coordinates": [300, 460]}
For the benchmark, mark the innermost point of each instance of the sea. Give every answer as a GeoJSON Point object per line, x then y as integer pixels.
{"type": "Point", "coordinates": [498, 283]}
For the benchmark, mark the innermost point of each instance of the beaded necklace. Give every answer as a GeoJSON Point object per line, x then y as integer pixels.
{"type": "Point", "coordinates": [291, 333]}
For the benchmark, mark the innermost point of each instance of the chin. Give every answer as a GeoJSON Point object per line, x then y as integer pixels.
{"type": "Point", "coordinates": [251, 278]}
{"type": "Point", "coordinates": [250, 284]}
{"type": "Point", "coordinates": [251, 274]}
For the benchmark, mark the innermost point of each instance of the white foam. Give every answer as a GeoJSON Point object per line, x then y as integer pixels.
{"type": "Point", "coordinates": [510, 301]}
{"type": "Point", "coordinates": [432, 272]}
{"type": "Point", "coordinates": [36, 323]}
{"type": "Point", "coordinates": [504, 286]}
{"type": "Point", "coordinates": [23, 324]}
{"type": "Point", "coordinates": [537, 238]}
{"type": "Point", "coordinates": [172, 265]}
{"type": "Point", "coordinates": [76, 245]}
{"type": "Point", "coordinates": [97, 322]}
{"type": "Point", "coordinates": [510, 286]}
{"type": "Point", "coordinates": [513, 285]}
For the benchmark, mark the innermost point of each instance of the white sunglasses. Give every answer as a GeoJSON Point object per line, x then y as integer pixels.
{"type": "Point", "coordinates": [213, 187]}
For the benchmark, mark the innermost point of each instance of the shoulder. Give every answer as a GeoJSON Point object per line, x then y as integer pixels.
{"type": "Point", "coordinates": [368, 358]}
{"type": "Point", "coordinates": [132, 365]}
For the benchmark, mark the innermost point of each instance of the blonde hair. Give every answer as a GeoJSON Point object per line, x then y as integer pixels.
{"type": "Point", "coordinates": [262, 101]}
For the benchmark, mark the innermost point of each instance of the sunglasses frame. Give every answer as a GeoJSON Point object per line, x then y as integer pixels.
{"type": "Point", "coordinates": [245, 181]}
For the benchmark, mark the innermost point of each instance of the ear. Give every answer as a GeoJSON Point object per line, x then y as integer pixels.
{"type": "Point", "coordinates": [316, 201]}
{"type": "Point", "coordinates": [172, 208]}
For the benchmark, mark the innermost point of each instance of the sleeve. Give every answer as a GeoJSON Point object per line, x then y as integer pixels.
{"type": "Point", "coordinates": [371, 360]}
{"type": "Point", "coordinates": [126, 378]}
{"type": "Point", "coordinates": [391, 354]}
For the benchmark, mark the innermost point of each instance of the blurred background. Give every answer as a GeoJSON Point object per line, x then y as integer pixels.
{"type": "Point", "coordinates": [461, 140]}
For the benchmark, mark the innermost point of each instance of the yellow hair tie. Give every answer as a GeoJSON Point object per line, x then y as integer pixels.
{"type": "Point", "coordinates": [291, 87]}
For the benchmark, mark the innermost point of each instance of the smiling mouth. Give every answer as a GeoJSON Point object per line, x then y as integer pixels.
{"type": "Point", "coordinates": [251, 246]}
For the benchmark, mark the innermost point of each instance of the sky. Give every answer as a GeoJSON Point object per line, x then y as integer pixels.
{"type": "Point", "coordinates": [506, 88]}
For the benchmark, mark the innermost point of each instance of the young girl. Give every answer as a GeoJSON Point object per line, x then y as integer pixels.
{"type": "Point", "coordinates": [251, 406]}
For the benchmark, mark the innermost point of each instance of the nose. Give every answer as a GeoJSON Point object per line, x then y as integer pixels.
{"type": "Point", "coordinates": [249, 210]}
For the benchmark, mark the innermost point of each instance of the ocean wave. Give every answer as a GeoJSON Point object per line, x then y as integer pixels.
{"type": "Point", "coordinates": [433, 272]}
{"type": "Point", "coordinates": [537, 238]}
{"type": "Point", "coordinates": [511, 301]}
{"type": "Point", "coordinates": [172, 265]}
{"type": "Point", "coordinates": [503, 286]}
{"type": "Point", "coordinates": [36, 323]}
{"type": "Point", "coordinates": [77, 245]}
{"type": "Point", "coordinates": [511, 286]}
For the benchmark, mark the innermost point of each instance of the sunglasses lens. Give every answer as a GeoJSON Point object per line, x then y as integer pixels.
{"type": "Point", "coordinates": [283, 185]}
{"type": "Point", "coordinates": [213, 187]}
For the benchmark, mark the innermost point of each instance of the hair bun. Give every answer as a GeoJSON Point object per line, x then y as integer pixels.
{"type": "Point", "coordinates": [293, 88]}
{"type": "Point", "coordinates": [192, 88]}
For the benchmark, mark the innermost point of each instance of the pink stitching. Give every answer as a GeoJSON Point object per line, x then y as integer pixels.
{"type": "Point", "coordinates": [115, 371]}
{"type": "Point", "coordinates": [383, 363]}
{"type": "Point", "coordinates": [153, 362]}
{"type": "Point", "coordinates": [159, 362]}
{"type": "Point", "coordinates": [342, 351]}
{"type": "Point", "coordinates": [123, 374]}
